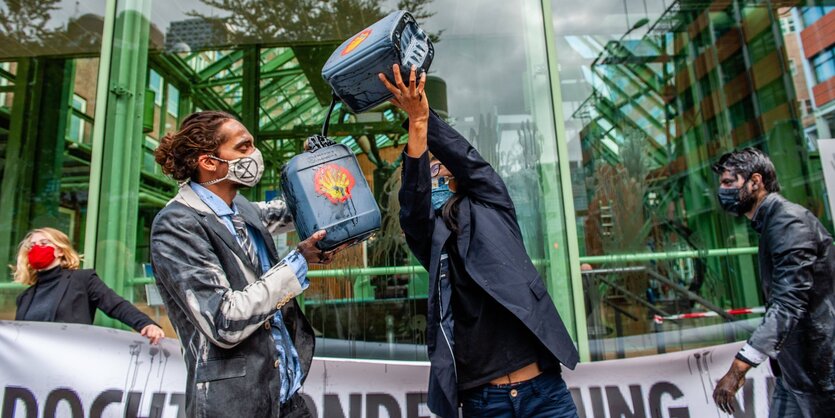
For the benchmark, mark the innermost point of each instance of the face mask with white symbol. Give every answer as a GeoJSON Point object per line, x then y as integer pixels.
{"type": "Point", "coordinates": [246, 171]}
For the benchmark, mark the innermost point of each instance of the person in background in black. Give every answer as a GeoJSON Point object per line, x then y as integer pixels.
{"type": "Point", "coordinates": [59, 292]}
{"type": "Point", "coordinates": [494, 336]}
{"type": "Point", "coordinates": [797, 270]}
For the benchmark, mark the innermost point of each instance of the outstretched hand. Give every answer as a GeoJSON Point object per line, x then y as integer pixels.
{"type": "Point", "coordinates": [725, 391]}
{"type": "Point", "coordinates": [411, 98]}
{"type": "Point", "coordinates": [153, 333]}
{"type": "Point", "coordinates": [313, 254]}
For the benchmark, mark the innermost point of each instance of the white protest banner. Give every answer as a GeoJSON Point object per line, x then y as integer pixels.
{"type": "Point", "coordinates": [674, 385]}
{"type": "Point", "coordinates": [72, 370]}
{"type": "Point", "coordinates": [68, 370]}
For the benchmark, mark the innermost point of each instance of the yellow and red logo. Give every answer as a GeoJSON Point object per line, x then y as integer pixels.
{"type": "Point", "coordinates": [334, 182]}
{"type": "Point", "coordinates": [356, 42]}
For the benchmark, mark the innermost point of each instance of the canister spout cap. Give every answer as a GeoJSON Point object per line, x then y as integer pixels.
{"type": "Point", "coordinates": [316, 142]}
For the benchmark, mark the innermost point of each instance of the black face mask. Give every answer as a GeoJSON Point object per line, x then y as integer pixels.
{"type": "Point", "coordinates": [737, 201]}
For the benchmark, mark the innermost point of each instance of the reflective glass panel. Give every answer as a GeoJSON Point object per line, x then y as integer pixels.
{"type": "Point", "coordinates": [48, 89]}
{"type": "Point", "coordinates": [653, 93]}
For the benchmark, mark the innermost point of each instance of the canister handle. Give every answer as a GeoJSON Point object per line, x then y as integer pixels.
{"type": "Point", "coordinates": [328, 115]}
{"type": "Point", "coordinates": [315, 142]}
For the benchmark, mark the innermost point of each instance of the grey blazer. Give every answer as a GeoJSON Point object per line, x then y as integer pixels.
{"type": "Point", "coordinates": [221, 309]}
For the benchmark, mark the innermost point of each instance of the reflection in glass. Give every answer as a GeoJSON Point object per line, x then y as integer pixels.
{"type": "Point", "coordinates": [48, 88]}
{"type": "Point", "coordinates": [50, 27]}
{"type": "Point", "coordinates": [653, 95]}
{"type": "Point", "coordinates": [261, 61]}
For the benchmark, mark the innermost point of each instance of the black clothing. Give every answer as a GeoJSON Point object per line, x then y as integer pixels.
{"type": "Point", "coordinates": [797, 270]}
{"type": "Point", "coordinates": [76, 290]}
{"type": "Point", "coordinates": [295, 407]}
{"type": "Point", "coordinates": [45, 296]}
{"type": "Point", "coordinates": [490, 342]}
{"type": "Point", "coordinates": [489, 244]}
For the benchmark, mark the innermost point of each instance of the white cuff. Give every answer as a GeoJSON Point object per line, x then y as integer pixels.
{"type": "Point", "coordinates": [752, 354]}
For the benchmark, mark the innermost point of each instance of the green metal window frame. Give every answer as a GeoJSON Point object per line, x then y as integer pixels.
{"type": "Point", "coordinates": [124, 85]}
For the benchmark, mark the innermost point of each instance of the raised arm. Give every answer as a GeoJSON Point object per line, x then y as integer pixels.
{"type": "Point", "coordinates": [413, 101]}
{"type": "Point", "coordinates": [475, 176]}
{"type": "Point", "coordinates": [416, 214]}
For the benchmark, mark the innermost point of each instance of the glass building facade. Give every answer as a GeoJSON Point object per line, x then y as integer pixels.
{"type": "Point", "coordinates": [603, 117]}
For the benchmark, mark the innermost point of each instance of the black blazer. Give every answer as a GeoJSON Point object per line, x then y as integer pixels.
{"type": "Point", "coordinates": [797, 266]}
{"type": "Point", "coordinates": [82, 292]}
{"type": "Point", "coordinates": [490, 243]}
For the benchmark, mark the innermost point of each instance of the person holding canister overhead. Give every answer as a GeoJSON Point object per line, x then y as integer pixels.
{"type": "Point", "coordinates": [495, 339]}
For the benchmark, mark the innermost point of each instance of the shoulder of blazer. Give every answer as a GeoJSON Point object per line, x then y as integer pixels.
{"type": "Point", "coordinates": [174, 214]}
{"type": "Point", "coordinates": [22, 294]}
{"type": "Point", "coordinates": [79, 274]}
{"type": "Point", "coordinates": [78, 279]}
{"type": "Point", "coordinates": [177, 208]}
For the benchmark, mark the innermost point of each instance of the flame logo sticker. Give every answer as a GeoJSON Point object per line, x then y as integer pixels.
{"type": "Point", "coordinates": [356, 42]}
{"type": "Point", "coordinates": [334, 182]}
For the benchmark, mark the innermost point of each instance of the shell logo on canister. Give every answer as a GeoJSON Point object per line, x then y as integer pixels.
{"type": "Point", "coordinates": [334, 182]}
{"type": "Point", "coordinates": [356, 42]}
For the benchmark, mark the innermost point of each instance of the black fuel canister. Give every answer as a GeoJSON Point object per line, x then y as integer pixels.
{"type": "Point", "coordinates": [325, 189]}
{"type": "Point", "coordinates": [352, 69]}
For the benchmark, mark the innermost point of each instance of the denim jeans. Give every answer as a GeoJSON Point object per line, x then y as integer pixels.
{"type": "Point", "coordinates": [788, 404]}
{"type": "Point", "coordinates": [783, 403]}
{"type": "Point", "coordinates": [545, 396]}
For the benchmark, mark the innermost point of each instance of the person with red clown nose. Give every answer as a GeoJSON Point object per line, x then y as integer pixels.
{"type": "Point", "coordinates": [60, 292]}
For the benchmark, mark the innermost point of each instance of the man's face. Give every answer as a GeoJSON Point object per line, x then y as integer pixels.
{"type": "Point", "coordinates": [239, 143]}
{"type": "Point", "coordinates": [742, 197]}
{"type": "Point", "coordinates": [730, 181]}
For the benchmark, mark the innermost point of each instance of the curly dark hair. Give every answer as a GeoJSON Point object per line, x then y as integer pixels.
{"type": "Point", "coordinates": [198, 135]}
{"type": "Point", "coordinates": [746, 162]}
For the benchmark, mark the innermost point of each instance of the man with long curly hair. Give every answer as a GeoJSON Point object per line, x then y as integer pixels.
{"type": "Point", "coordinates": [247, 345]}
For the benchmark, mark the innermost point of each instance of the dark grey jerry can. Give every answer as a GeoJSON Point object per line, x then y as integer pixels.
{"type": "Point", "coordinates": [352, 69]}
{"type": "Point", "coordinates": [325, 189]}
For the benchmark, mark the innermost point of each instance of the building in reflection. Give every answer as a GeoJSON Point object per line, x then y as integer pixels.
{"type": "Point", "coordinates": [814, 64]}
{"type": "Point", "coordinates": [663, 101]}
{"type": "Point", "coordinates": [602, 116]}
{"type": "Point", "coordinates": [195, 34]}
